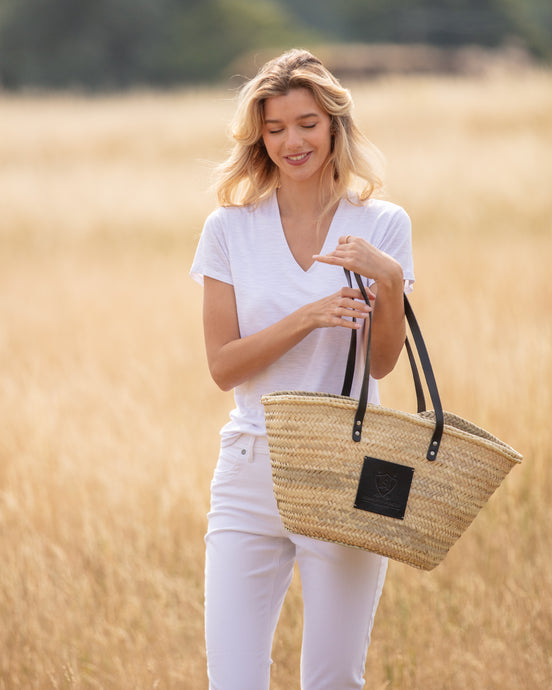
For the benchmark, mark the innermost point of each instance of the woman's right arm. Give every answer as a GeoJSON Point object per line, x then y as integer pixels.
{"type": "Point", "coordinates": [233, 359]}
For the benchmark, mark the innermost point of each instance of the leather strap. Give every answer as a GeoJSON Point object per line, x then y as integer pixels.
{"type": "Point", "coordinates": [430, 380]}
{"type": "Point", "coordinates": [420, 398]}
{"type": "Point", "coordinates": [363, 397]}
{"type": "Point", "coordinates": [426, 367]}
{"type": "Point", "coordinates": [351, 358]}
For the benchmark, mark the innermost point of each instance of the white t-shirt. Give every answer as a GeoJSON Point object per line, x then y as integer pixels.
{"type": "Point", "coordinates": [246, 247]}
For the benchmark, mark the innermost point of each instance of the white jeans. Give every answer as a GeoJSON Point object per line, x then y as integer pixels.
{"type": "Point", "coordinates": [249, 565]}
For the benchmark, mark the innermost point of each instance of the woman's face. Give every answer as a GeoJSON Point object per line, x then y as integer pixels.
{"type": "Point", "coordinates": [296, 134]}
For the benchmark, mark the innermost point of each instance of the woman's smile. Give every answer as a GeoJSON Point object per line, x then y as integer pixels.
{"type": "Point", "coordinates": [298, 158]}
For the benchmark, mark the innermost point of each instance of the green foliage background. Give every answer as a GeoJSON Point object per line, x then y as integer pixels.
{"type": "Point", "coordinates": [108, 44]}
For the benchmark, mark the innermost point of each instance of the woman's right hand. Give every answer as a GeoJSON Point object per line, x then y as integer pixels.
{"type": "Point", "coordinates": [234, 359]}
{"type": "Point", "coordinates": [339, 309]}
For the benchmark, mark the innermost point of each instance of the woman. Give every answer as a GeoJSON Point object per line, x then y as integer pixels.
{"type": "Point", "coordinates": [278, 317]}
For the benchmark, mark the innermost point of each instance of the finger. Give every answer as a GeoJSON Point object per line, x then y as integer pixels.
{"type": "Point", "coordinates": [335, 258]}
{"type": "Point", "coordinates": [345, 239]}
{"type": "Point", "coordinates": [352, 293]}
{"type": "Point", "coordinates": [357, 310]}
{"type": "Point", "coordinates": [356, 294]}
{"type": "Point", "coordinates": [347, 322]}
{"type": "Point", "coordinates": [325, 258]}
{"type": "Point", "coordinates": [357, 305]}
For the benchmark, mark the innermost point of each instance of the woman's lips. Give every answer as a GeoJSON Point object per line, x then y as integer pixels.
{"type": "Point", "coordinates": [298, 159]}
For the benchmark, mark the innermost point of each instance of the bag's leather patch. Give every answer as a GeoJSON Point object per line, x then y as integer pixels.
{"type": "Point", "coordinates": [384, 487]}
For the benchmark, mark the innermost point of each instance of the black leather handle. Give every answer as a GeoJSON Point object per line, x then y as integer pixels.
{"type": "Point", "coordinates": [351, 359]}
{"type": "Point", "coordinates": [426, 367]}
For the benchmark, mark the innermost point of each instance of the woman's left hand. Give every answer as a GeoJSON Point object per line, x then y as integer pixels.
{"type": "Point", "coordinates": [359, 256]}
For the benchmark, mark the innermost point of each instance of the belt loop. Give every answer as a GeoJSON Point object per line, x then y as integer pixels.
{"type": "Point", "coordinates": [251, 448]}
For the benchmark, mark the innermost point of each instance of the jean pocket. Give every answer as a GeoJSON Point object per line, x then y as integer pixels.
{"type": "Point", "coordinates": [232, 455]}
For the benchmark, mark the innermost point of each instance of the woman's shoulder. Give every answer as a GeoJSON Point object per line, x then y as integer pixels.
{"type": "Point", "coordinates": [374, 207]}
{"type": "Point", "coordinates": [383, 223]}
{"type": "Point", "coordinates": [230, 215]}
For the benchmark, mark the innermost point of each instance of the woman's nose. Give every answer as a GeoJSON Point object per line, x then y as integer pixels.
{"type": "Point", "coordinates": [294, 138]}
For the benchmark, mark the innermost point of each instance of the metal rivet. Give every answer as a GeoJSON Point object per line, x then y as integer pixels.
{"type": "Point", "coordinates": [358, 422]}
{"type": "Point", "coordinates": [243, 451]}
{"type": "Point", "coordinates": [432, 452]}
{"type": "Point", "coordinates": [357, 433]}
{"type": "Point", "coordinates": [434, 443]}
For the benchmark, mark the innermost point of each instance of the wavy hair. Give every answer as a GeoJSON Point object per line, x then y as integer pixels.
{"type": "Point", "coordinates": [249, 175]}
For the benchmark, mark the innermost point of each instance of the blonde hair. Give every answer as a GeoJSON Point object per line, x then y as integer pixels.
{"type": "Point", "coordinates": [249, 175]}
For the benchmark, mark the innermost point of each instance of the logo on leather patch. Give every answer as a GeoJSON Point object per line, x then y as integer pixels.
{"type": "Point", "coordinates": [384, 487]}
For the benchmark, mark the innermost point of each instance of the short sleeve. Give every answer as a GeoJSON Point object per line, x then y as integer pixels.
{"type": "Point", "coordinates": [397, 242]}
{"type": "Point", "coordinates": [212, 257]}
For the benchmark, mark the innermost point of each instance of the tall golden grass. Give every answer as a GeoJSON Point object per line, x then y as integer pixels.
{"type": "Point", "coordinates": [108, 419]}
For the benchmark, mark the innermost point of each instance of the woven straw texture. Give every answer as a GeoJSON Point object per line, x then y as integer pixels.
{"type": "Point", "coordinates": [316, 468]}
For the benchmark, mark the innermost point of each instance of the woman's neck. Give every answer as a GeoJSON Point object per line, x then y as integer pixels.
{"type": "Point", "coordinates": [299, 202]}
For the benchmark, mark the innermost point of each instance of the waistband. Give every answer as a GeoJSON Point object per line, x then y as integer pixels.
{"type": "Point", "coordinates": [253, 443]}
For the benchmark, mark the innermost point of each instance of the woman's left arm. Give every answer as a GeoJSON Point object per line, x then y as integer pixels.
{"type": "Point", "coordinates": [388, 322]}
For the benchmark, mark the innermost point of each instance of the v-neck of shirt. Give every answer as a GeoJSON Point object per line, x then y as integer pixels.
{"type": "Point", "coordinates": [323, 250]}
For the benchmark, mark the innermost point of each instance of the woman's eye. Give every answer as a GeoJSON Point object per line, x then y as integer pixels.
{"type": "Point", "coordinates": [309, 126]}
{"type": "Point", "coordinates": [274, 131]}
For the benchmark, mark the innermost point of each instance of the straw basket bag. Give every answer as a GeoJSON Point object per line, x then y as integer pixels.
{"type": "Point", "coordinates": [399, 484]}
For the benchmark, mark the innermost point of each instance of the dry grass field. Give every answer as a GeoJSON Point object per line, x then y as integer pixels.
{"type": "Point", "coordinates": [108, 419]}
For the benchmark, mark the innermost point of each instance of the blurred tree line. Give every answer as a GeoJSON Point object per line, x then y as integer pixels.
{"type": "Point", "coordinates": [108, 44]}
